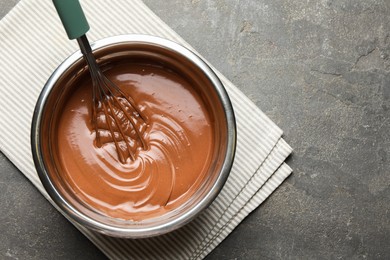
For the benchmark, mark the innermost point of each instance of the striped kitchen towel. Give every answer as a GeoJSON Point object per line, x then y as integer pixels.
{"type": "Point", "coordinates": [33, 44]}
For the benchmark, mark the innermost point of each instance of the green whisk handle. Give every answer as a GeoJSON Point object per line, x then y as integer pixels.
{"type": "Point", "coordinates": [72, 17]}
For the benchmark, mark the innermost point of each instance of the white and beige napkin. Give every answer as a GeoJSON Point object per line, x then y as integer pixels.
{"type": "Point", "coordinates": [33, 43]}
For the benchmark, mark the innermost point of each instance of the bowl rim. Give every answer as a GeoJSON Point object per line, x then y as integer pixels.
{"type": "Point", "coordinates": [71, 212]}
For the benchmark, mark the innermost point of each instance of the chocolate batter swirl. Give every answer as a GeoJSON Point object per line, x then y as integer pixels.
{"type": "Point", "coordinates": [179, 141]}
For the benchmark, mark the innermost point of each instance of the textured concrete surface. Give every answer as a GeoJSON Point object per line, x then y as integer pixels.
{"type": "Point", "coordinates": [321, 70]}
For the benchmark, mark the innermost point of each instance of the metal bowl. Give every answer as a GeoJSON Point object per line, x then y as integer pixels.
{"type": "Point", "coordinates": [52, 99]}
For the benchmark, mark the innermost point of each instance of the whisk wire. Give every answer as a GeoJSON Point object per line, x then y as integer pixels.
{"type": "Point", "coordinates": [109, 98]}
{"type": "Point", "coordinates": [124, 110]}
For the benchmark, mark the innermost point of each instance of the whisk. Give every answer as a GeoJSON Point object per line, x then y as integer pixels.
{"type": "Point", "coordinates": [115, 115]}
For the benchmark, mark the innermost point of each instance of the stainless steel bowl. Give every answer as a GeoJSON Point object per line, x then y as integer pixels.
{"type": "Point", "coordinates": [52, 99]}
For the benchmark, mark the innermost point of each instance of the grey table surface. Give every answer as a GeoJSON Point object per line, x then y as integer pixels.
{"type": "Point", "coordinates": [321, 71]}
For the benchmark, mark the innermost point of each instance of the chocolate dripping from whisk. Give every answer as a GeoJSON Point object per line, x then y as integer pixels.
{"type": "Point", "coordinates": [111, 100]}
